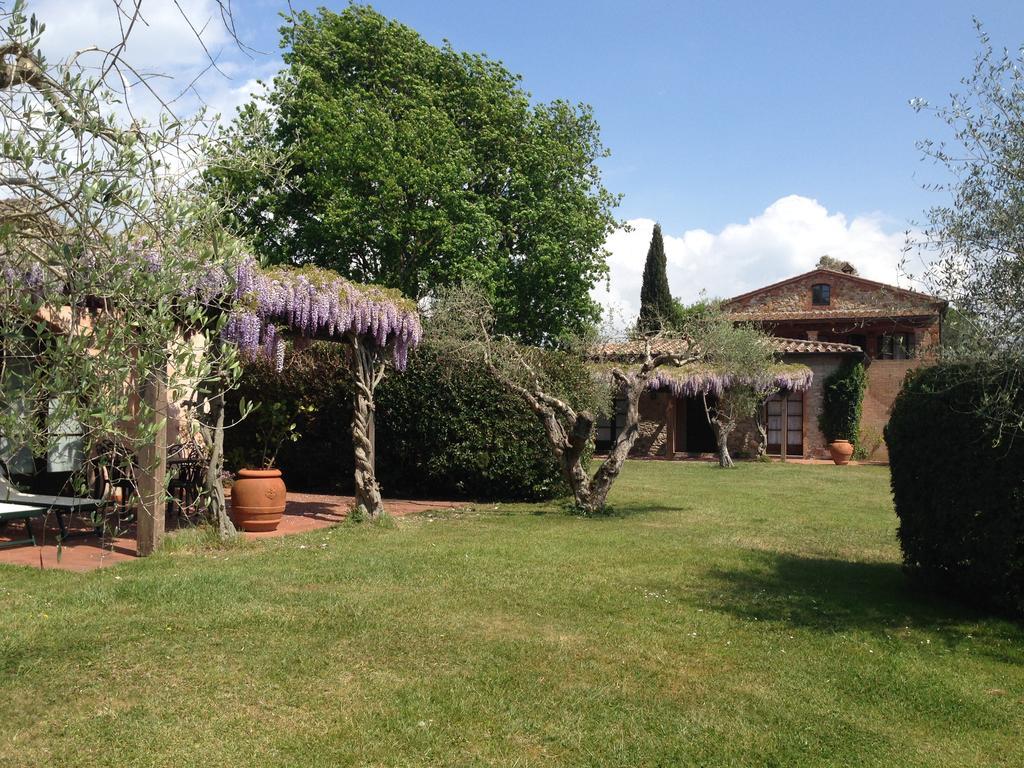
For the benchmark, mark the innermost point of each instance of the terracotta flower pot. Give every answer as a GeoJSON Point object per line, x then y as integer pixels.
{"type": "Point", "coordinates": [841, 451]}
{"type": "Point", "coordinates": [257, 499]}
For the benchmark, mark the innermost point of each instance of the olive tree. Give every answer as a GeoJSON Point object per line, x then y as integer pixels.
{"type": "Point", "coordinates": [461, 324]}
{"type": "Point", "coordinates": [745, 358]}
{"type": "Point", "coordinates": [974, 242]}
{"type": "Point", "coordinates": [113, 268]}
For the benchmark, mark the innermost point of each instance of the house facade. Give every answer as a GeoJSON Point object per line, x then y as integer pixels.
{"type": "Point", "coordinates": [817, 319]}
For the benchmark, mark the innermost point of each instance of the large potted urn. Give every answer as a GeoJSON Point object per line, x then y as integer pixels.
{"type": "Point", "coordinates": [258, 495]}
{"type": "Point", "coordinates": [258, 499]}
{"type": "Point", "coordinates": [841, 451]}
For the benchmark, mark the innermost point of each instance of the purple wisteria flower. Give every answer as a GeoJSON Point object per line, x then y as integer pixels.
{"type": "Point", "coordinates": [315, 303]}
{"type": "Point", "coordinates": [691, 383]}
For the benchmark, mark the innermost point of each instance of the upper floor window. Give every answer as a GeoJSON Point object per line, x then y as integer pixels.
{"type": "Point", "coordinates": [821, 294]}
{"type": "Point", "coordinates": [896, 346]}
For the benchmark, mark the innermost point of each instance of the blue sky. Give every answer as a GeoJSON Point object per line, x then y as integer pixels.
{"type": "Point", "coordinates": [714, 110]}
{"type": "Point", "coordinates": [759, 134]}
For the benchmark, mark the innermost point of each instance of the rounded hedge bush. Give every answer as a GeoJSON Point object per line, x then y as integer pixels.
{"type": "Point", "coordinates": [958, 485]}
{"type": "Point", "coordinates": [442, 429]}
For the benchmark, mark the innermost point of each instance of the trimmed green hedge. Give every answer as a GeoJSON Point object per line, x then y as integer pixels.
{"type": "Point", "coordinates": [452, 430]}
{"type": "Point", "coordinates": [443, 430]}
{"type": "Point", "coordinates": [958, 489]}
{"type": "Point", "coordinates": [843, 400]}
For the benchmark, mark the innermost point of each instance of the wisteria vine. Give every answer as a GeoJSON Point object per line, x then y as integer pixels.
{"type": "Point", "coordinates": [263, 307]}
{"type": "Point", "coordinates": [316, 303]}
{"type": "Point", "coordinates": [706, 381]}
{"type": "Point", "coordinates": [693, 381]}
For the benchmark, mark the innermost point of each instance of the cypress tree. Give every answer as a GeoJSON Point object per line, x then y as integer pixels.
{"type": "Point", "coordinates": [655, 296]}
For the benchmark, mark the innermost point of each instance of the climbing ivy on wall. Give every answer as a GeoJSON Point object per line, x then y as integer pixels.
{"type": "Point", "coordinates": [843, 402]}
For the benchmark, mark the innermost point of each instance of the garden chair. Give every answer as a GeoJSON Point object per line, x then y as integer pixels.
{"type": "Point", "coordinates": [186, 472]}
{"type": "Point", "coordinates": [24, 512]}
{"type": "Point", "coordinates": [113, 479]}
{"type": "Point", "coordinates": [61, 506]}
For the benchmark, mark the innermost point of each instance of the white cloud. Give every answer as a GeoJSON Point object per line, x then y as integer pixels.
{"type": "Point", "coordinates": [161, 42]}
{"type": "Point", "coordinates": [786, 239]}
{"type": "Point", "coordinates": [161, 39]}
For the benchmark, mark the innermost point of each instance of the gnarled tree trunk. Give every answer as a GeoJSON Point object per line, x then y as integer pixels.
{"type": "Point", "coordinates": [609, 470]}
{"type": "Point", "coordinates": [723, 425]}
{"type": "Point", "coordinates": [762, 433]}
{"type": "Point", "coordinates": [213, 436]}
{"type": "Point", "coordinates": [570, 432]}
{"type": "Point", "coordinates": [367, 374]}
{"type": "Point", "coordinates": [722, 433]}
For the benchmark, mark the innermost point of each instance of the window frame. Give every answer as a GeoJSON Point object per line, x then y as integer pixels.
{"type": "Point", "coordinates": [815, 294]}
{"type": "Point", "coordinates": [896, 346]}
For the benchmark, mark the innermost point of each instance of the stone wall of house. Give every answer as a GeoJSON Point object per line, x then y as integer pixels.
{"type": "Point", "coordinates": [654, 425]}
{"type": "Point", "coordinates": [885, 377]}
{"type": "Point", "coordinates": [744, 440]}
{"type": "Point", "coordinates": [815, 445]}
{"type": "Point", "coordinates": [846, 294]}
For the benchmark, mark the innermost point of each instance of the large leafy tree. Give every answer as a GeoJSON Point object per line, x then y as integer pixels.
{"type": "Point", "coordinates": [416, 166]}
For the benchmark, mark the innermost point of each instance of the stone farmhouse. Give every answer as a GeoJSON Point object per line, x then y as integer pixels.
{"type": "Point", "coordinates": [817, 320]}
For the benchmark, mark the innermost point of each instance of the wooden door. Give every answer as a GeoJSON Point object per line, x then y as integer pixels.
{"type": "Point", "coordinates": [784, 418]}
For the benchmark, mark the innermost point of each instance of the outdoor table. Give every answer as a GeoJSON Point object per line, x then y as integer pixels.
{"type": "Point", "coordinates": [26, 512]}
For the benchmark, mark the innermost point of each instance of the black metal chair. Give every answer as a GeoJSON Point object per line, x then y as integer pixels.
{"type": "Point", "coordinates": [185, 486]}
{"type": "Point", "coordinates": [186, 469]}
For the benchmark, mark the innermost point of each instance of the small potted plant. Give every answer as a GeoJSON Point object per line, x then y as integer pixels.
{"type": "Point", "coordinates": [841, 409]}
{"type": "Point", "coordinates": [258, 495]}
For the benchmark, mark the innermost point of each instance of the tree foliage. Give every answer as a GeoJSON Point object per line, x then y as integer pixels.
{"type": "Point", "coordinates": [109, 269]}
{"type": "Point", "coordinates": [957, 486]}
{"type": "Point", "coordinates": [415, 166]}
{"type": "Point", "coordinates": [742, 350]}
{"type": "Point", "coordinates": [975, 241]}
{"type": "Point", "coordinates": [447, 428]}
{"type": "Point", "coordinates": [657, 307]}
{"type": "Point", "coordinates": [462, 326]}
{"type": "Point", "coordinates": [444, 429]}
{"type": "Point", "coordinates": [836, 265]}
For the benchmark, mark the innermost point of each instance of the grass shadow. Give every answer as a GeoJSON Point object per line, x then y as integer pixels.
{"type": "Point", "coordinates": [831, 595]}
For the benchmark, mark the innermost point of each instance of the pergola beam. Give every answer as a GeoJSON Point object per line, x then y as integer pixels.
{"type": "Point", "coordinates": [152, 479]}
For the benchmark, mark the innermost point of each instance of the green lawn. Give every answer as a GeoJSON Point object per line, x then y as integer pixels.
{"type": "Point", "coordinates": [744, 618]}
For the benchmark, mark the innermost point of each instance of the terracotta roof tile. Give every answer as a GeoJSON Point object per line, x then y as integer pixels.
{"type": "Point", "coordinates": [805, 347]}
{"type": "Point", "coordinates": [852, 313]}
{"type": "Point", "coordinates": [634, 348]}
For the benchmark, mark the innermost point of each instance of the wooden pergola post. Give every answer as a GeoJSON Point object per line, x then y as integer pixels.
{"type": "Point", "coordinates": [153, 469]}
